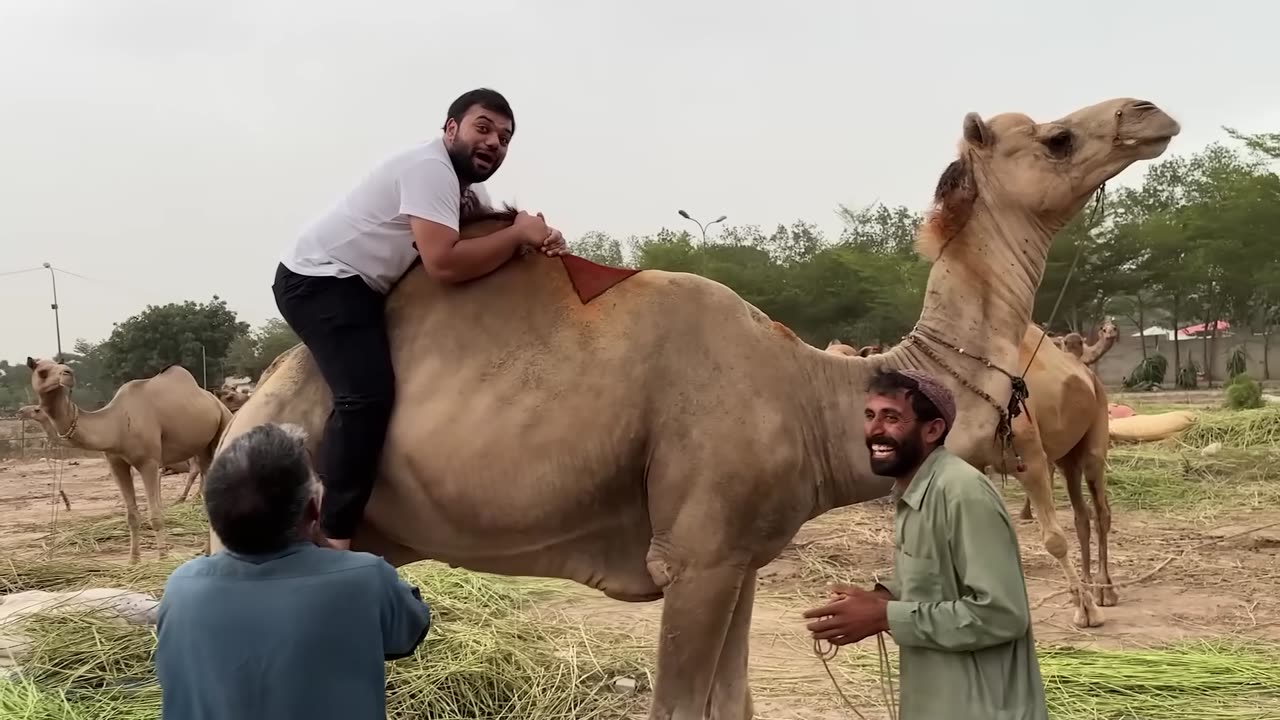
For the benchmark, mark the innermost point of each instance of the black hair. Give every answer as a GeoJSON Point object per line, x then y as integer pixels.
{"type": "Point", "coordinates": [257, 488]}
{"type": "Point", "coordinates": [486, 98]}
{"type": "Point", "coordinates": [889, 382]}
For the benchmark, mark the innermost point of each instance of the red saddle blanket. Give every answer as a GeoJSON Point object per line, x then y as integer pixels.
{"type": "Point", "coordinates": [591, 279]}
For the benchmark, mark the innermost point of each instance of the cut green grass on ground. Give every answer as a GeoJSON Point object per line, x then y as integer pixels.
{"type": "Point", "coordinates": [482, 658]}
{"type": "Point", "coordinates": [1217, 680]}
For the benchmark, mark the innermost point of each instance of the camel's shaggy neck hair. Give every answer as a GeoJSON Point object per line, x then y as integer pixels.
{"type": "Point", "coordinates": [988, 258]}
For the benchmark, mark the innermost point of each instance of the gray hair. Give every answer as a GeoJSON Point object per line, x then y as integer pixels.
{"type": "Point", "coordinates": [257, 489]}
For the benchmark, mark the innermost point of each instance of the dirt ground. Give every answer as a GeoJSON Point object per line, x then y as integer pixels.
{"type": "Point", "coordinates": [1216, 585]}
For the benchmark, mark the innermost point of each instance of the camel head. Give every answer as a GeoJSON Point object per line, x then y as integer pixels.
{"type": "Point", "coordinates": [1046, 171]}
{"type": "Point", "coordinates": [1073, 343]}
{"type": "Point", "coordinates": [1109, 332]}
{"type": "Point", "coordinates": [232, 398]}
{"type": "Point", "coordinates": [49, 379]}
{"type": "Point", "coordinates": [34, 413]}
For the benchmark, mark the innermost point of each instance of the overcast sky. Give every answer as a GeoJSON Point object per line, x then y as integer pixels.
{"type": "Point", "coordinates": [195, 139]}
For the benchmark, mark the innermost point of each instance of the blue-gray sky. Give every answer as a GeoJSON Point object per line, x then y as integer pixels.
{"type": "Point", "coordinates": [194, 139]}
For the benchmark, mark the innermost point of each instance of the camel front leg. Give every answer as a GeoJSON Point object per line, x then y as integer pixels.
{"type": "Point", "coordinates": [699, 606]}
{"type": "Point", "coordinates": [731, 688]}
{"type": "Point", "coordinates": [1035, 480]}
{"type": "Point", "coordinates": [123, 475]}
{"type": "Point", "coordinates": [150, 472]}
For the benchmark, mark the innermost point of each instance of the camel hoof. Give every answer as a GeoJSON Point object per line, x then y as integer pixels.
{"type": "Point", "coordinates": [1107, 596]}
{"type": "Point", "coordinates": [1088, 615]}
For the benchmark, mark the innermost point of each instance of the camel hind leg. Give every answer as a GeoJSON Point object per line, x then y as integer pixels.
{"type": "Point", "coordinates": [1035, 480]}
{"type": "Point", "coordinates": [1080, 512]}
{"type": "Point", "coordinates": [1092, 454]}
{"type": "Point", "coordinates": [195, 469]}
{"type": "Point", "coordinates": [123, 475]}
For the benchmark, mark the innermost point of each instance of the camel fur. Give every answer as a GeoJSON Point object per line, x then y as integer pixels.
{"type": "Point", "coordinates": [149, 422]}
{"type": "Point", "coordinates": [607, 443]}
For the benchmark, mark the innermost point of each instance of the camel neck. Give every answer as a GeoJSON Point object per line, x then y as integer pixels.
{"type": "Point", "coordinates": [979, 299]}
{"type": "Point", "coordinates": [982, 288]}
{"type": "Point", "coordinates": [88, 430]}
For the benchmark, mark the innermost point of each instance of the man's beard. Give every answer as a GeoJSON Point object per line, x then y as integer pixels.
{"type": "Point", "coordinates": [904, 456]}
{"type": "Point", "coordinates": [463, 158]}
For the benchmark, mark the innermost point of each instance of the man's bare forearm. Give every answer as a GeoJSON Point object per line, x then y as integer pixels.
{"type": "Point", "coordinates": [473, 257]}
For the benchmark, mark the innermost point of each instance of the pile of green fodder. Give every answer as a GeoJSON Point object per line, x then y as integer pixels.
{"type": "Point", "coordinates": [1218, 680]}
{"type": "Point", "coordinates": [1258, 428]}
{"type": "Point", "coordinates": [1189, 681]}
{"type": "Point", "coordinates": [485, 656]}
{"type": "Point", "coordinates": [1174, 474]}
{"type": "Point", "coordinates": [1160, 477]}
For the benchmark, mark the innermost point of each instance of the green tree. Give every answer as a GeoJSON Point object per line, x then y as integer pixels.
{"type": "Point", "coordinates": [251, 353]}
{"type": "Point", "coordinates": [599, 247]}
{"type": "Point", "coordinates": [194, 335]}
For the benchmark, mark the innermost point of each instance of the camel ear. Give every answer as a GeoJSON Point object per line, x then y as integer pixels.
{"type": "Point", "coordinates": [976, 132]}
{"type": "Point", "coordinates": [31, 362]}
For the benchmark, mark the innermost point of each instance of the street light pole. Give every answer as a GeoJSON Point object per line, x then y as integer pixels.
{"type": "Point", "coordinates": [57, 323]}
{"type": "Point", "coordinates": [204, 368]}
{"type": "Point", "coordinates": [701, 227]}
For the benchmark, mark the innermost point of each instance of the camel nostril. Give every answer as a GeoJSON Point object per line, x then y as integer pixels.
{"type": "Point", "coordinates": [1144, 105]}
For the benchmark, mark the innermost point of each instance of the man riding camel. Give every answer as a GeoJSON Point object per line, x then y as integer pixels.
{"type": "Point", "coordinates": [332, 282]}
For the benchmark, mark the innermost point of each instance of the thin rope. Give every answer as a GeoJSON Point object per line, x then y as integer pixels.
{"type": "Point", "coordinates": [886, 675]}
{"type": "Point", "coordinates": [58, 468]}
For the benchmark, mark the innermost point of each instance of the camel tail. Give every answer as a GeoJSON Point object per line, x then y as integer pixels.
{"type": "Point", "coordinates": [1149, 428]}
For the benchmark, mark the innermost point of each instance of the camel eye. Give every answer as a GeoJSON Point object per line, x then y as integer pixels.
{"type": "Point", "coordinates": [1059, 144]}
{"type": "Point", "coordinates": [44, 374]}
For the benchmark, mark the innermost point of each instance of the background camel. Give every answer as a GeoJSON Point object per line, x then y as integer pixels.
{"type": "Point", "coordinates": [148, 423]}
{"type": "Point", "coordinates": [41, 418]}
{"type": "Point", "coordinates": [38, 416]}
{"type": "Point", "coordinates": [607, 442]}
{"type": "Point", "coordinates": [1090, 354]}
{"type": "Point", "coordinates": [839, 348]}
{"type": "Point", "coordinates": [233, 399]}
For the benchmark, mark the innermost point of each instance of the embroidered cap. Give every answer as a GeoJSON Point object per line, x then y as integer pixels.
{"type": "Point", "coordinates": [937, 393]}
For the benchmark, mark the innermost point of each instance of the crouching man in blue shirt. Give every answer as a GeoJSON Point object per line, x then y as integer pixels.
{"type": "Point", "coordinates": [274, 626]}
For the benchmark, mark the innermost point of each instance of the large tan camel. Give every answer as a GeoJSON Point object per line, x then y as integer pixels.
{"type": "Point", "coordinates": [607, 442]}
{"type": "Point", "coordinates": [148, 423]}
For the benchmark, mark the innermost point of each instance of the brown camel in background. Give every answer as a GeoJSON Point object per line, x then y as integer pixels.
{"type": "Point", "coordinates": [150, 422]}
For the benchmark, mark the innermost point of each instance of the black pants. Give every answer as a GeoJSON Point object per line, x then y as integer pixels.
{"type": "Point", "coordinates": [341, 322]}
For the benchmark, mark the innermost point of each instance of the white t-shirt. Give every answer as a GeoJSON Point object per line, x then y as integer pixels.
{"type": "Point", "coordinates": [367, 232]}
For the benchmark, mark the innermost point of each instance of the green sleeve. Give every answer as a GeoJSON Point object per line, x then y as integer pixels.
{"type": "Point", "coordinates": [993, 607]}
{"type": "Point", "coordinates": [890, 584]}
